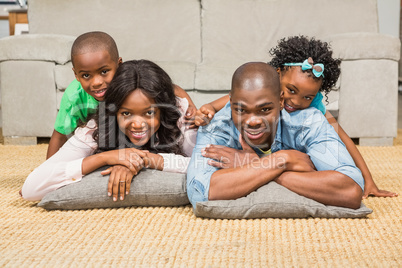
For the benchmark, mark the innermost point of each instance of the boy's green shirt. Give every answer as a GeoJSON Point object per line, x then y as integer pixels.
{"type": "Point", "coordinates": [75, 106]}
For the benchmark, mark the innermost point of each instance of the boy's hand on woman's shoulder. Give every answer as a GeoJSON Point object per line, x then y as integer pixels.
{"type": "Point", "coordinates": [189, 117]}
{"type": "Point", "coordinates": [204, 115]}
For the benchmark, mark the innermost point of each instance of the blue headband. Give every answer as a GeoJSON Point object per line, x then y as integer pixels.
{"type": "Point", "coordinates": [318, 69]}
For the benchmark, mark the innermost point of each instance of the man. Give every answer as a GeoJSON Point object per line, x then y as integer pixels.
{"type": "Point", "coordinates": [252, 141]}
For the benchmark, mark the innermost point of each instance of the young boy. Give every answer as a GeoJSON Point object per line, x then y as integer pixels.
{"type": "Point", "coordinates": [95, 59]}
{"type": "Point", "coordinates": [253, 141]}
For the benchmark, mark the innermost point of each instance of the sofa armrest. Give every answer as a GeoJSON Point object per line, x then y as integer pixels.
{"type": "Point", "coordinates": [368, 85]}
{"type": "Point", "coordinates": [37, 47]}
{"type": "Point", "coordinates": [362, 45]}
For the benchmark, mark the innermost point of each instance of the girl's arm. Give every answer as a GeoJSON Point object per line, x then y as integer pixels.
{"type": "Point", "coordinates": [370, 188]}
{"type": "Point", "coordinates": [207, 111]}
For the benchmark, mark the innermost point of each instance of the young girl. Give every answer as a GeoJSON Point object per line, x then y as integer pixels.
{"type": "Point", "coordinates": [306, 68]}
{"type": "Point", "coordinates": [140, 124]}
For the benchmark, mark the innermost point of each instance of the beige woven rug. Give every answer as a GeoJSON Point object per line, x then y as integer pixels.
{"type": "Point", "coordinates": [173, 237]}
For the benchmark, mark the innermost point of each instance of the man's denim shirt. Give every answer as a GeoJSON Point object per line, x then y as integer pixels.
{"type": "Point", "coordinates": [305, 130]}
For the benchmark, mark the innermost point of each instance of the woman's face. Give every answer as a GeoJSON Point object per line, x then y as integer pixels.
{"type": "Point", "coordinates": [138, 117]}
{"type": "Point", "coordinates": [299, 88]}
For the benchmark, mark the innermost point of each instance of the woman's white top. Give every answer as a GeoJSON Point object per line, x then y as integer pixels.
{"type": "Point", "coordinates": [65, 166]}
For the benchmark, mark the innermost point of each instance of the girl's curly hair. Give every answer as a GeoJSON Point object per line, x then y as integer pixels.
{"type": "Point", "coordinates": [155, 83]}
{"type": "Point", "coordinates": [299, 48]}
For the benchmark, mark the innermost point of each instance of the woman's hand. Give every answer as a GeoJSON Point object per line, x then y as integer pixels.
{"type": "Point", "coordinates": [131, 158]}
{"type": "Point", "coordinates": [119, 181]}
{"type": "Point", "coordinates": [204, 115]}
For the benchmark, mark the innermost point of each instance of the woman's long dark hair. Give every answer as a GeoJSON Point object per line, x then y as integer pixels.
{"type": "Point", "coordinates": [155, 83]}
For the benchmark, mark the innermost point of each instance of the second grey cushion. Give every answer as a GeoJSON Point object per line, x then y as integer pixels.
{"type": "Point", "coordinates": [274, 201]}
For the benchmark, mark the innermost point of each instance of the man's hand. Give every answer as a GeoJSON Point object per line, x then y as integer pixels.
{"type": "Point", "coordinates": [296, 161]}
{"type": "Point", "coordinates": [225, 157]}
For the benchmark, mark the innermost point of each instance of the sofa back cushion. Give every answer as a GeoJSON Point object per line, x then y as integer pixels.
{"type": "Point", "coordinates": [158, 30]}
{"type": "Point", "coordinates": [237, 31]}
{"type": "Point", "coordinates": [152, 29]}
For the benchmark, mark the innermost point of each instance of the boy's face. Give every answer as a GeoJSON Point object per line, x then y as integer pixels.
{"type": "Point", "coordinates": [255, 114]}
{"type": "Point", "coordinates": [299, 88]}
{"type": "Point", "coordinates": [95, 70]}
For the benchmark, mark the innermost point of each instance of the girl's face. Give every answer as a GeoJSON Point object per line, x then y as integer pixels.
{"type": "Point", "coordinates": [299, 88]}
{"type": "Point", "coordinates": [138, 117]}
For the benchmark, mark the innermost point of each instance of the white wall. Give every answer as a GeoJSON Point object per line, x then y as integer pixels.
{"type": "Point", "coordinates": [4, 30]}
{"type": "Point", "coordinates": [388, 15]}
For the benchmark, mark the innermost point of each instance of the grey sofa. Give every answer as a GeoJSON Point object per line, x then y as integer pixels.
{"type": "Point", "coordinates": [200, 43]}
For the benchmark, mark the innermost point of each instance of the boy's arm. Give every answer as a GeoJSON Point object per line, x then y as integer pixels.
{"type": "Point", "coordinates": [65, 122]}
{"type": "Point", "coordinates": [179, 92]}
{"type": "Point", "coordinates": [370, 188]}
{"type": "Point", "coordinates": [207, 111]}
{"type": "Point", "coordinates": [56, 142]}
{"type": "Point", "coordinates": [220, 103]}
{"type": "Point", "coordinates": [191, 110]}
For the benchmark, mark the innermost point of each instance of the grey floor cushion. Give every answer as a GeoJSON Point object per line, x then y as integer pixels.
{"type": "Point", "coordinates": [274, 201]}
{"type": "Point", "coordinates": [148, 188]}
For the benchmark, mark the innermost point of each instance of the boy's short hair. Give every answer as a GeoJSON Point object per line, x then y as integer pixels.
{"type": "Point", "coordinates": [92, 42]}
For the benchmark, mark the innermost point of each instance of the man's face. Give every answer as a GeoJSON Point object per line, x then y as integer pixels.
{"type": "Point", "coordinates": [255, 114]}
{"type": "Point", "coordinates": [95, 71]}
